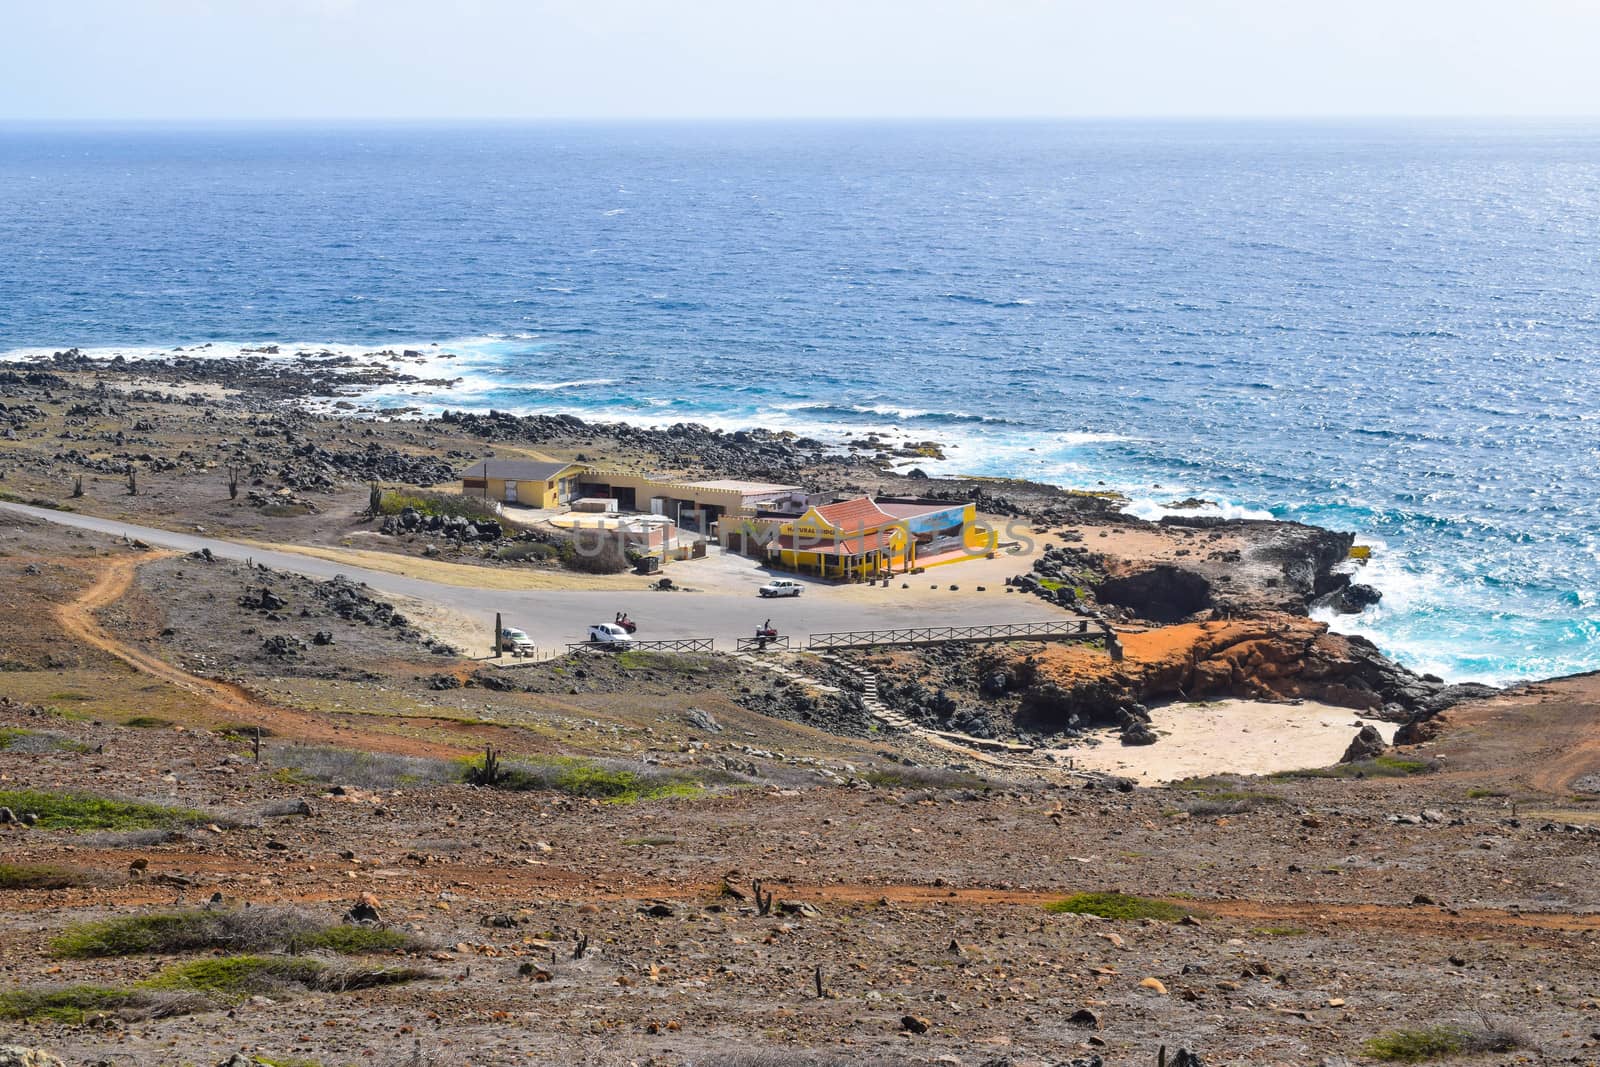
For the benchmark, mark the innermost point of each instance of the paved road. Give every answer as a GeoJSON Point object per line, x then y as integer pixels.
{"type": "Point", "coordinates": [553, 617]}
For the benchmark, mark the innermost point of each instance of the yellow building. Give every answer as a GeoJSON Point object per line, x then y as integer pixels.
{"type": "Point", "coordinates": [864, 537]}
{"type": "Point", "coordinates": [532, 483]}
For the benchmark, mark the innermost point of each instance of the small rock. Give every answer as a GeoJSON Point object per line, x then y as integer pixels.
{"type": "Point", "coordinates": [1085, 1018]}
{"type": "Point", "coordinates": [915, 1024]}
{"type": "Point", "coordinates": [1155, 985]}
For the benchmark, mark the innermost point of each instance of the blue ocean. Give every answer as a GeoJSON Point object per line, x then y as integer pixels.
{"type": "Point", "coordinates": [1386, 328]}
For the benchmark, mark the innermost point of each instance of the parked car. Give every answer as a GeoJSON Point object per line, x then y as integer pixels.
{"type": "Point", "coordinates": [781, 587]}
{"type": "Point", "coordinates": [515, 641]}
{"type": "Point", "coordinates": [609, 633]}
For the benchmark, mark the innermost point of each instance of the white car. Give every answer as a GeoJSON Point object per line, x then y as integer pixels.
{"type": "Point", "coordinates": [609, 633]}
{"type": "Point", "coordinates": [781, 587]}
{"type": "Point", "coordinates": [515, 641]}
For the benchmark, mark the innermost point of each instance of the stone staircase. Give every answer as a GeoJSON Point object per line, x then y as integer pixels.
{"type": "Point", "coordinates": [869, 693]}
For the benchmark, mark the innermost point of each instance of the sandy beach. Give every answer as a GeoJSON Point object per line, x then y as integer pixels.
{"type": "Point", "coordinates": [1229, 737]}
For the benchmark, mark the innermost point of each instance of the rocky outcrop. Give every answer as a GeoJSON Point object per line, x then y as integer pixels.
{"type": "Point", "coordinates": [1188, 569]}
{"type": "Point", "coordinates": [1352, 599]}
{"type": "Point", "coordinates": [1064, 689]}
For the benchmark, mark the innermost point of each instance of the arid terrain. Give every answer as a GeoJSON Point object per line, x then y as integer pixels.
{"type": "Point", "coordinates": [284, 802]}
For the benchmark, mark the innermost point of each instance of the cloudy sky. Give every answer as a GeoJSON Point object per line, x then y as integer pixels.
{"type": "Point", "coordinates": [327, 59]}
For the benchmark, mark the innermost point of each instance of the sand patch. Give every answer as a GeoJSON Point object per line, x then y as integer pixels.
{"type": "Point", "coordinates": [1229, 737]}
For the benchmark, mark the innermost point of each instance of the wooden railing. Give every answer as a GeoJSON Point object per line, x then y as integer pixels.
{"type": "Point", "coordinates": [683, 645]}
{"type": "Point", "coordinates": [1078, 630]}
{"type": "Point", "coordinates": [760, 644]}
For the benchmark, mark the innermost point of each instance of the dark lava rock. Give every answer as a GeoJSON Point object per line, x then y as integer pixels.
{"type": "Point", "coordinates": [1138, 733]}
{"type": "Point", "coordinates": [1368, 744]}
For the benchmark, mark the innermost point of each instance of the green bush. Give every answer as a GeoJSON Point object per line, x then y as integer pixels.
{"type": "Point", "coordinates": [1116, 906]}
{"type": "Point", "coordinates": [442, 504]}
{"type": "Point", "coordinates": [1455, 1039]}
{"type": "Point", "coordinates": [74, 811]}
{"type": "Point", "coordinates": [1414, 1046]}
{"type": "Point", "coordinates": [1381, 767]}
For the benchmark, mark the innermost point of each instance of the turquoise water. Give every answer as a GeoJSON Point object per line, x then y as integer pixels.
{"type": "Point", "coordinates": [1384, 328]}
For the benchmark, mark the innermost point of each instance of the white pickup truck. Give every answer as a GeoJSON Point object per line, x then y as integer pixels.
{"type": "Point", "coordinates": [609, 633]}
{"type": "Point", "coordinates": [781, 587]}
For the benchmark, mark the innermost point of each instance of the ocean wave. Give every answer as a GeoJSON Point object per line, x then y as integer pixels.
{"type": "Point", "coordinates": [901, 414]}
{"type": "Point", "coordinates": [1153, 510]}
{"type": "Point", "coordinates": [972, 298]}
{"type": "Point", "coordinates": [550, 387]}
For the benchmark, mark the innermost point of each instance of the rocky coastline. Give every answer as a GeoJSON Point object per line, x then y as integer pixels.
{"type": "Point", "coordinates": [280, 424]}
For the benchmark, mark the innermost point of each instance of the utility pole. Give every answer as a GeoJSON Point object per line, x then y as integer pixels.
{"type": "Point", "coordinates": [497, 632]}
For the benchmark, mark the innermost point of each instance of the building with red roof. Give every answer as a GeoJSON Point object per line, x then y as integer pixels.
{"type": "Point", "coordinates": [863, 537]}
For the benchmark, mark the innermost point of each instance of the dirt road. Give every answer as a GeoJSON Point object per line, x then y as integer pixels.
{"type": "Point", "coordinates": [79, 622]}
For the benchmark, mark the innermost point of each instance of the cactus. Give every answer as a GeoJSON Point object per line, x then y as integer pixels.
{"type": "Point", "coordinates": [489, 773]}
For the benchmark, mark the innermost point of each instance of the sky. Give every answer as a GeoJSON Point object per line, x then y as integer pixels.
{"type": "Point", "coordinates": [632, 59]}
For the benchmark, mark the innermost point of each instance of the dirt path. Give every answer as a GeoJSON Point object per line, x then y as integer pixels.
{"type": "Point", "coordinates": [1545, 736]}
{"type": "Point", "coordinates": [498, 883]}
{"type": "Point", "coordinates": [79, 621]}
{"type": "Point", "coordinates": [1558, 773]}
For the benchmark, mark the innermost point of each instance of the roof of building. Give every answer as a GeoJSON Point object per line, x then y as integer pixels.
{"type": "Point", "coordinates": [910, 509]}
{"type": "Point", "coordinates": [857, 514]}
{"type": "Point", "coordinates": [737, 485]}
{"type": "Point", "coordinates": [844, 546]}
{"type": "Point", "coordinates": [530, 470]}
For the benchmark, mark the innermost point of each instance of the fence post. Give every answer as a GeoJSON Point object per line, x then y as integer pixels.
{"type": "Point", "coordinates": [497, 632]}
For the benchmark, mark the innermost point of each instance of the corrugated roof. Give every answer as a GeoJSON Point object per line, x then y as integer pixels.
{"type": "Point", "coordinates": [857, 514]}
{"type": "Point", "coordinates": [520, 470]}
{"type": "Point", "coordinates": [738, 485]}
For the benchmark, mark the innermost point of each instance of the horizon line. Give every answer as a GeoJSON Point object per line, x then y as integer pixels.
{"type": "Point", "coordinates": [177, 120]}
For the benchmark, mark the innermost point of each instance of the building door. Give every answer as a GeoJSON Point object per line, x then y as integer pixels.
{"type": "Point", "coordinates": [511, 492]}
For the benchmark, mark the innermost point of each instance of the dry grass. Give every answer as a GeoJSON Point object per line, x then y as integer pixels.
{"type": "Point", "coordinates": [364, 770]}
{"type": "Point", "coordinates": [75, 1004]}
{"type": "Point", "coordinates": [15, 876]}
{"type": "Point", "coordinates": [234, 930]}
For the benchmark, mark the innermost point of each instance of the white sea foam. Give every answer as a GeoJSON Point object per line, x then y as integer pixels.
{"type": "Point", "coordinates": [1153, 510]}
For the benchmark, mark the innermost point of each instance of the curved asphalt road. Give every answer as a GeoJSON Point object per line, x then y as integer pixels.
{"type": "Point", "coordinates": [554, 617]}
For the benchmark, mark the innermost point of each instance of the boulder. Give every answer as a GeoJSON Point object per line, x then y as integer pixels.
{"type": "Point", "coordinates": [19, 1056]}
{"type": "Point", "coordinates": [1138, 733]}
{"type": "Point", "coordinates": [1368, 744]}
